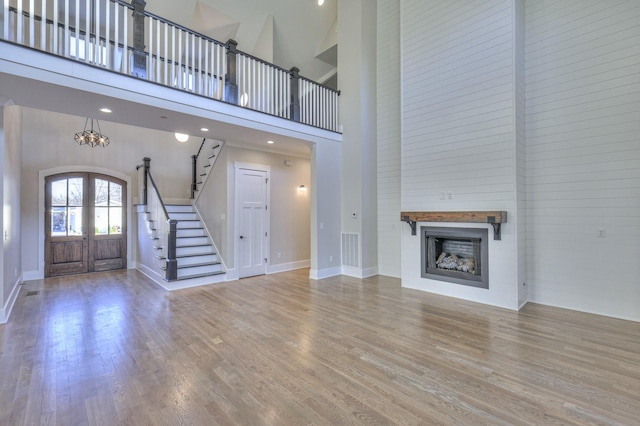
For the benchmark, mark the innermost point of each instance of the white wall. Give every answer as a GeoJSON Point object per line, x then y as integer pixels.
{"type": "Point", "coordinates": [388, 122]}
{"type": "Point", "coordinates": [583, 155]}
{"type": "Point", "coordinates": [326, 177]}
{"type": "Point", "coordinates": [10, 267]}
{"type": "Point", "coordinates": [289, 208]}
{"type": "Point", "coordinates": [519, 31]}
{"type": "Point", "coordinates": [48, 143]}
{"type": "Point", "coordinates": [212, 205]}
{"type": "Point", "coordinates": [458, 129]}
{"type": "Point", "coordinates": [357, 77]}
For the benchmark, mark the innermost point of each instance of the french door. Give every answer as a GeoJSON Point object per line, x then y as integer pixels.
{"type": "Point", "coordinates": [85, 223]}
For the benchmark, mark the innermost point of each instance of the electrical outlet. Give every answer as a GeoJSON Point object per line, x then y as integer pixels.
{"type": "Point", "coordinates": [442, 195]}
{"type": "Point", "coordinates": [330, 259]}
{"type": "Point", "coordinates": [602, 233]}
{"type": "Point", "coordinates": [279, 255]}
{"type": "Point", "coordinates": [321, 225]}
{"type": "Point", "coordinates": [449, 196]}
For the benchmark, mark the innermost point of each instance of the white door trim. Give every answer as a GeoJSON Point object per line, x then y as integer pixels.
{"type": "Point", "coordinates": [237, 166]}
{"type": "Point", "coordinates": [42, 174]}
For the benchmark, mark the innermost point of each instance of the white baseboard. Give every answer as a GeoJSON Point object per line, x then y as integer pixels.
{"type": "Point", "coordinates": [593, 312]}
{"type": "Point", "coordinates": [358, 272]}
{"type": "Point", "coordinates": [132, 265]}
{"type": "Point", "coordinates": [5, 312]}
{"type": "Point", "coordinates": [232, 274]}
{"type": "Point", "coordinates": [290, 266]}
{"type": "Point", "coordinates": [522, 305]}
{"type": "Point", "coordinates": [194, 282]}
{"type": "Point", "coordinates": [152, 275]}
{"type": "Point", "coordinates": [319, 274]}
{"type": "Point", "coordinates": [32, 275]}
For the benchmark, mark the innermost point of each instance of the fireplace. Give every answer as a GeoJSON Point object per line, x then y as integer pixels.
{"type": "Point", "coordinates": [455, 255]}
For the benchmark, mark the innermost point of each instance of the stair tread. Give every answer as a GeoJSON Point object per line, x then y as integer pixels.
{"type": "Point", "coordinates": [197, 265]}
{"type": "Point", "coordinates": [195, 245]}
{"type": "Point", "coordinates": [184, 256]}
{"type": "Point", "coordinates": [191, 236]}
{"type": "Point", "coordinates": [210, 274]}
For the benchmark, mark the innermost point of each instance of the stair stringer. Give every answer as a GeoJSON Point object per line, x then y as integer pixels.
{"type": "Point", "coordinates": [208, 234]}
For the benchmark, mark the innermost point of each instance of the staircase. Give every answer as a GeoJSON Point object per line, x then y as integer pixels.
{"type": "Point", "coordinates": [197, 261]}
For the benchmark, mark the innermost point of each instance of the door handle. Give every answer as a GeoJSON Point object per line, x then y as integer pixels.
{"type": "Point", "coordinates": [241, 237]}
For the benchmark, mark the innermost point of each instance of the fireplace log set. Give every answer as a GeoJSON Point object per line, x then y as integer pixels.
{"type": "Point", "coordinates": [453, 262]}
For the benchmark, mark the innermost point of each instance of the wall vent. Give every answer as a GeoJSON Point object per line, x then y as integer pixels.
{"type": "Point", "coordinates": [351, 249]}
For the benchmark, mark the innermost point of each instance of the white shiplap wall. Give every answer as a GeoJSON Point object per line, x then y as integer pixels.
{"type": "Point", "coordinates": [388, 122]}
{"type": "Point", "coordinates": [519, 29]}
{"type": "Point", "coordinates": [583, 155]}
{"type": "Point", "coordinates": [458, 129]}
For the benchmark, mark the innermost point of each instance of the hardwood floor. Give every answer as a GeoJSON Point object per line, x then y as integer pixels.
{"type": "Point", "coordinates": [112, 348]}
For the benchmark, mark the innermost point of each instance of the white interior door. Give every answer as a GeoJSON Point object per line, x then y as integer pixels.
{"type": "Point", "coordinates": [252, 220]}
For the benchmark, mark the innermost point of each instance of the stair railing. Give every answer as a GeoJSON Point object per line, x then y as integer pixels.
{"type": "Point", "coordinates": [198, 163]}
{"type": "Point", "coordinates": [164, 228]}
{"type": "Point", "coordinates": [194, 170]}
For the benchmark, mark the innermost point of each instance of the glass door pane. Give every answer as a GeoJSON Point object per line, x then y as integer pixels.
{"type": "Point", "coordinates": [66, 207]}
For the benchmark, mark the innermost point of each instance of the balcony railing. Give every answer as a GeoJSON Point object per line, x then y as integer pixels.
{"type": "Point", "coordinates": [124, 38]}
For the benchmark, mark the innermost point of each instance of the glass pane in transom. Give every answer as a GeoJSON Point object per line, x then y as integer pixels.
{"type": "Point", "coordinates": [115, 194]}
{"type": "Point", "coordinates": [102, 193]}
{"type": "Point", "coordinates": [59, 192]}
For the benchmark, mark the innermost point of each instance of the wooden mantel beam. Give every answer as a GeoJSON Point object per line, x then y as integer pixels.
{"type": "Point", "coordinates": [495, 218]}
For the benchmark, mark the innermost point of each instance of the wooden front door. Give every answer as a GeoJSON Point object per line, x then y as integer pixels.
{"type": "Point", "coordinates": [85, 224]}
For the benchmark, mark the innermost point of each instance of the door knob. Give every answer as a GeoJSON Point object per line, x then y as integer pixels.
{"type": "Point", "coordinates": [241, 237]}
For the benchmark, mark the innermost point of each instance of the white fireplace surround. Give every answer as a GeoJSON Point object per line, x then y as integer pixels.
{"type": "Point", "coordinates": [502, 261]}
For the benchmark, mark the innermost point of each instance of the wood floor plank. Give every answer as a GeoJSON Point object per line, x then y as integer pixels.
{"type": "Point", "coordinates": [113, 348]}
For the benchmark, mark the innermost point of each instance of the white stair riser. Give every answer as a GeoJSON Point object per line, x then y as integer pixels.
{"type": "Point", "coordinates": [181, 242]}
{"type": "Point", "coordinates": [190, 233]}
{"type": "Point", "coordinates": [182, 216]}
{"type": "Point", "coordinates": [195, 260]}
{"type": "Point", "coordinates": [197, 270]}
{"type": "Point", "coordinates": [183, 209]}
{"type": "Point", "coordinates": [189, 224]}
{"type": "Point", "coordinates": [185, 251]}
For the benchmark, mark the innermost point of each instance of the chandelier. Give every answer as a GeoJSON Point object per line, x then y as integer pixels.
{"type": "Point", "coordinates": [91, 137]}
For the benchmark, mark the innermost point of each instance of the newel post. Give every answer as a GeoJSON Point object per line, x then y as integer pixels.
{"type": "Point", "coordinates": [194, 178]}
{"type": "Point", "coordinates": [146, 163]}
{"type": "Point", "coordinates": [172, 262]}
{"type": "Point", "coordinates": [294, 83]}
{"type": "Point", "coordinates": [139, 68]}
{"type": "Point", "coordinates": [231, 85]}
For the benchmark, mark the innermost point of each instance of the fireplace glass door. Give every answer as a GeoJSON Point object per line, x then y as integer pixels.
{"type": "Point", "coordinates": [457, 255]}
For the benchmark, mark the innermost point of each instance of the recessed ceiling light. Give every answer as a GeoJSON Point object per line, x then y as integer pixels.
{"type": "Point", "coordinates": [204, 129]}
{"type": "Point", "coordinates": [107, 110]}
{"type": "Point", "coordinates": [320, 2]}
{"type": "Point", "coordinates": [181, 137]}
{"type": "Point", "coordinates": [270, 142]}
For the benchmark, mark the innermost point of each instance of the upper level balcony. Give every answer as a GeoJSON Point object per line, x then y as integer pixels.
{"type": "Point", "coordinates": [124, 38]}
